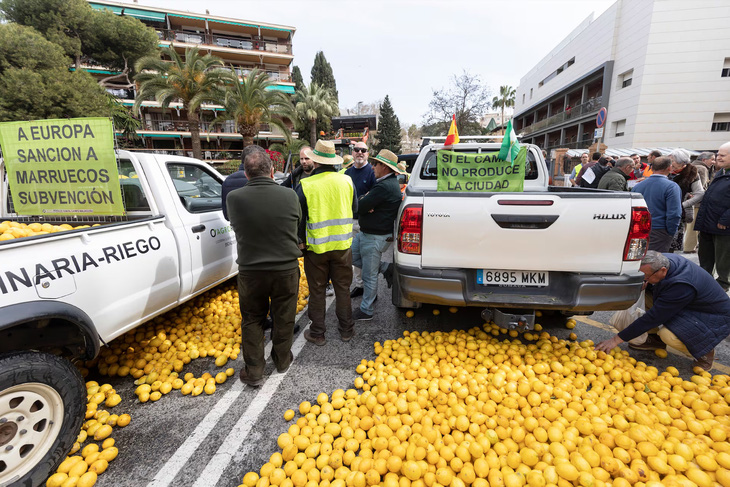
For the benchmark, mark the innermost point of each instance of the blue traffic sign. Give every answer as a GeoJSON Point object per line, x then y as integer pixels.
{"type": "Point", "coordinates": [601, 117]}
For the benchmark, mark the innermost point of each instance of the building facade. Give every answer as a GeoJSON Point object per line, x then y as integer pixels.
{"type": "Point", "coordinates": [243, 45]}
{"type": "Point", "coordinates": [661, 68]}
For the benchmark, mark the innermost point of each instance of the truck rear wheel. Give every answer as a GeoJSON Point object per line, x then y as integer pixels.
{"type": "Point", "coordinates": [42, 404]}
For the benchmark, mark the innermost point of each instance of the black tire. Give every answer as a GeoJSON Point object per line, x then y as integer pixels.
{"type": "Point", "coordinates": [40, 373]}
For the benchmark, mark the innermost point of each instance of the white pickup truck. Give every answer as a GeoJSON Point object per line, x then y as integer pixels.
{"type": "Point", "coordinates": [67, 293]}
{"type": "Point", "coordinates": [571, 250]}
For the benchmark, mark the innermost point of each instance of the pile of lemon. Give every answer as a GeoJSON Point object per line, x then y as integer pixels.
{"type": "Point", "coordinates": [82, 470]}
{"type": "Point", "coordinates": [156, 353]}
{"type": "Point", "coordinates": [11, 230]}
{"type": "Point", "coordinates": [466, 408]}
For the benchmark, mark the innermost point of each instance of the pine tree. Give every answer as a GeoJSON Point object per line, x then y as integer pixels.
{"type": "Point", "coordinates": [323, 76]}
{"type": "Point", "coordinates": [389, 133]}
{"type": "Point", "coordinates": [296, 76]}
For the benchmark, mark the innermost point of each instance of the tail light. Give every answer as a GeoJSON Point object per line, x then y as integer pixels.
{"type": "Point", "coordinates": [410, 230]}
{"type": "Point", "coordinates": [638, 240]}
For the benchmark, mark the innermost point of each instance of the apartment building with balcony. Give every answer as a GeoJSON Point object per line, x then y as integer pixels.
{"type": "Point", "coordinates": [660, 67]}
{"type": "Point", "coordinates": [242, 44]}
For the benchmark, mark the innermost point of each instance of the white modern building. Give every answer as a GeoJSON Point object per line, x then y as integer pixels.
{"type": "Point", "coordinates": [661, 68]}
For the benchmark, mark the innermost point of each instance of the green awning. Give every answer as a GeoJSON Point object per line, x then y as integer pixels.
{"type": "Point", "coordinates": [144, 14]}
{"type": "Point", "coordinates": [240, 24]}
{"type": "Point", "coordinates": [285, 89]}
{"type": "Point", "coordinates": [98, 6]}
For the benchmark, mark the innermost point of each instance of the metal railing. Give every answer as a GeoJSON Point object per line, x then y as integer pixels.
{"type": "Point", "coordinates": [227, 127]}
{"type": "Point", "coordinates": [571, 144]}
{"type": "Point", "coordinates": [590, 106]}
{"type": "Point", "coordinates": [254, 43]}
{"type": "Point", "coordinates": [122, 93]}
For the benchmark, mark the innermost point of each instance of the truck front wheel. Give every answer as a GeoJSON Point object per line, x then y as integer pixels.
{"type": "Point", "coordinates": [42, 404]}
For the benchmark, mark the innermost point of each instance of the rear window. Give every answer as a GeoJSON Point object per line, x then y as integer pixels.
{"type": "Point", "coordinates": [429, 170]}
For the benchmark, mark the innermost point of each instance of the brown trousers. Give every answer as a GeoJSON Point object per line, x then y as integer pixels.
{"type": "Point", "coordinates": [255, 288]}
{"type": "Point", "coordinates": [335, 265]}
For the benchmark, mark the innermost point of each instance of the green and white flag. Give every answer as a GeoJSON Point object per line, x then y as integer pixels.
{"type": "Point", "coordinates": [510, 146]}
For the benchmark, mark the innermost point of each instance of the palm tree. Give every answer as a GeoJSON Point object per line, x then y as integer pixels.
{"type": "Point", "coordinates": [315, 103]}
{"type": "Point", "coordinates": [251, 103]}
{"type": "Point", "coordinates": [506, 99]}
{"type": "Point", "coordinates": [192, 81]}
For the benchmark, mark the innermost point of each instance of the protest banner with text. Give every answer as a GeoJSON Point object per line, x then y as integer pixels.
{"type": "Point", "coordinates": [62, 167]}
{"type": "Point", "coordinates": [484, 172]}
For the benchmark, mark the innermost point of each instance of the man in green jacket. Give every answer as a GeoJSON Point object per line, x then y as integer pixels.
{"type": "Point", "coordinates": [378, 209]}
{"type": "Point", "coordinates": [265, 218]}
{"type": "Point", "coordinates": [616, 179]}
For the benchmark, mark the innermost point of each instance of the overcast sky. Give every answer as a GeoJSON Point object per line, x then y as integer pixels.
{"type": "Point", "coordinates": [407, 48]}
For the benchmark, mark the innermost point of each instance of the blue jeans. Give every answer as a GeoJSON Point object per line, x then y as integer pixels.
{"type": "Point", "coordinates": [366, 251]}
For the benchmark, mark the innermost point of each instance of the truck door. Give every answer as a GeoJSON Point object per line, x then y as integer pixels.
{"type": "Point", "coordinates": [210, 237]}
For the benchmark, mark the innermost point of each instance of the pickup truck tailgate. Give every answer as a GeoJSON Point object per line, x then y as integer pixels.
{"type": "Point", "coordinates": [583, 232]}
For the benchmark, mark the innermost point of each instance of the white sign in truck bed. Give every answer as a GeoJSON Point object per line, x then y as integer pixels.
{"type": "Point", "coordinates": [567, 249]}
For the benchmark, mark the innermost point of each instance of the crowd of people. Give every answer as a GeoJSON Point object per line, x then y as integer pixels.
{"type": "Point", "coordinates": [340, 221]}
{"type": "Point", "coordinates": [339, 215]}
{"type": "Point", "coordinates": [689, 202]}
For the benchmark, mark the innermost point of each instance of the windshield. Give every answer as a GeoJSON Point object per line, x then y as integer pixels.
{"type": "Point", "coordinates": [429, 168]}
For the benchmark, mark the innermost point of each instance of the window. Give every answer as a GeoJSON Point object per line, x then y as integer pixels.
{"type": "Point", "coordinates": [530, 93]}
{"type": "Point", "coordinates": [560, 69]}
{"type": "Point", "coordinates": [624, 79]}
{"type": "Point", "coordinates": [429, 168]}
{"type": "Point", "coordinates": [721, 122]}
{"type": "Point", "coordinates": [198, 189]}
{"type": "Point", "coordinates": [523, 98]}
{"type": "Point", "coordinates": [726, 68]}
{"type": "Point", "coordinates": [619, 128]}
{"type": "Point", "coordinates": [132, 192]}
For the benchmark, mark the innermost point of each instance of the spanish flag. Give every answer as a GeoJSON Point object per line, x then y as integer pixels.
{"type": "Point", "coordinates": [453, 136]}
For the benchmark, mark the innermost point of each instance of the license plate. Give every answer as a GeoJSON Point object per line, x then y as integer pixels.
{"type": "Point", "coordinates": [491, 277]}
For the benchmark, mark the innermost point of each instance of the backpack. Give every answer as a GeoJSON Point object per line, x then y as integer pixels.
{"type": "Point", "coordinates": [598, 172]}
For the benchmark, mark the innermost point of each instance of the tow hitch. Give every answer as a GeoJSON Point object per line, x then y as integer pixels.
{"type": "Point", "coordinates": [513, 319]}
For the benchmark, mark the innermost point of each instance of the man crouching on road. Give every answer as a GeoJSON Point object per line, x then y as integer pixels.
{"type": "Point", "coordinates": [689, 308]}
{"type": "Point", "coordinates": [265, 218]}
{"type": "Point", "coordinates": [328, 202]}
{"type": "Point", "coordinates": [378, 210]}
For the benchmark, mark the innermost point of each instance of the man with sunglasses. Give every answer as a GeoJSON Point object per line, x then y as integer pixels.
{"type": "Point", "coordinates": [363, 177]}
{"type": "Point", "coordinates": [686, 309]}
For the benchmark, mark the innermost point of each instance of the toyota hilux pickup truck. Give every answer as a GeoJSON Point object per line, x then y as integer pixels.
{"type": "Point", "coordinates": [64, 294]}
{"type": "Point", "coordinates": [571, 250]}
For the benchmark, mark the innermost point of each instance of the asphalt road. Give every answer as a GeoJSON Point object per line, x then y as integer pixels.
{"type": "Point", "coordinates": [214, 440]}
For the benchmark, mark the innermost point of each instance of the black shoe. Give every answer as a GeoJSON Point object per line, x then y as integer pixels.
{"type": "Point", "coordinates": [388, 275]}
{"type": "Point", "coordinates": [653, 342]}
{"type": "Point", "coordinates": [296, 329]}
{"type": "Point", "coordinates": [268, 323]}
{"type": "Point", "coordinates": [246, 379]}
{"type": "Point", "coordinates": [359, 315]}
{"type": "Point", "coordinates": [319, 341]}
{"type": "Point", "coordinates": [357, 291]}
{"type": "Point", "coordinates": [346, 337]}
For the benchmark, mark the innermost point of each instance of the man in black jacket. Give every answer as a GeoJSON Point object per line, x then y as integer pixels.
{"type": "Point", "coordinates": [265, 218]}
{"type": "Point", "coordinates": [303, 170]}
{"type": "Point", "coordinates": [378, 210]}
{"type": "Point", "coordinates": [713, 221]}
{"type": "Point", "coordinates": [237, 179]}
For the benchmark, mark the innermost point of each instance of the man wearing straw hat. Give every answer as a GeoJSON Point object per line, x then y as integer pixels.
{"type": "Point", "coordinates": [328, 202]}
{"type": "Point", "coordinates": [378, 210]}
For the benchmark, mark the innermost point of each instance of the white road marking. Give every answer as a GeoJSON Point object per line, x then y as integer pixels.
{"type": "Point", "coordinates": [179, 459]}
{"type": "Point", "coordinates": [240, 431]}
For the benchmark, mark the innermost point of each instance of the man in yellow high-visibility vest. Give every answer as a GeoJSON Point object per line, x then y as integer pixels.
{"type": "Point", "coordinates": [328, 203]}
